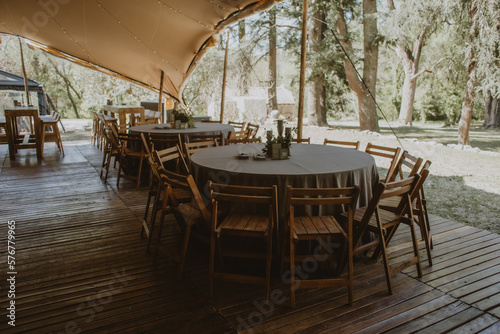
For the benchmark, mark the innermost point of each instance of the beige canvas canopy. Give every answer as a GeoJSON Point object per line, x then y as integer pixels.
{"type": "Point", "coordinates": [133, 39]}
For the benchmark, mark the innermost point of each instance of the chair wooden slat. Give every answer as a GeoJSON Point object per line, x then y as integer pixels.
{"type": "Point", "coordinates": [236, 223]}
{"type": "Point", "coordinates": [307, 228]}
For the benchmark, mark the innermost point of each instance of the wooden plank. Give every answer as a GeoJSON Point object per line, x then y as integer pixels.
{"type": "Point", "coordinates": [478, 325]}
{"type": "Point", "coordinates": [74, 233]}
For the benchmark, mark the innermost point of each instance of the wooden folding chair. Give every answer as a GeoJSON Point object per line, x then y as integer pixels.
{"type": "Point", "coordinates": [239, 126]}
{"type": "Point", "coordinates": [131, 150]}
{"type": "Point", "coordinates": [301, 140]}
{"type": "Point", "coordinates": [253, 129]}
{"type": "Point", "coordinates": [184, 200]}
{"type": "Point", "coordinates": [316, 227]}
{"type": "Point", "coordinates": [160, 141]}
{"type": "Point", "coordinates": [26, 138]}
{"type": "Point", "coordinates": [241, 228]}
{"type": "Point", "coordinates": [407, 165]}
{"type": "Point", "coordinates": [158, 195]}
{"type": "Point", "coordinates": [385, 152]}
{"type": "Point", "coordinates": [350, 144]}
{"type": "Point", "coordinates": [111, 149]}
{"type": "Point", "coordinates": [419, 207]}
{"type": "Point", "coordinates": [197, 137]}
{"type": "Point", "coordinates": [237, 137]}
{"type": "Point", "coordinates": [192, 148]}
{"type": "Point", "coordinates": [384, 224]}
{"type": "Point", "coordinates": [169, 157]}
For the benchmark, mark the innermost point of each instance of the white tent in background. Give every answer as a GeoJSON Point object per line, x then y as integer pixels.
{"type": "Point", "coordinates": [135, 40]}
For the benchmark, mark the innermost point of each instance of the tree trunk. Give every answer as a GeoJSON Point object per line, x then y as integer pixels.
{"type": "Point", "coordinates": [368, 119]}
{"type": "Point", "coordinates": [468, 104]}
{"type": "Point", "coordinates": [273, 73]}
{"type": "Point", "coordinates": [316, 102]}
{"type": "Point", "coordinates": [407, 100]}
{"type": "Point", "coordinates": [410, 60]}
{"type": "Point", "coordinates": [491, 111]}
{"type": "Point", "coordinates": [245, 65]}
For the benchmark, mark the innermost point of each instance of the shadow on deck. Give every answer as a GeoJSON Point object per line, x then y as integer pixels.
{"type": "Point", "coordinates": [81, 267]}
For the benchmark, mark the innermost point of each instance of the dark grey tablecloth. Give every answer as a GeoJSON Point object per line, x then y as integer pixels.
{"type": "Point", "coordinates": [201, 128]}
{"type": "Point", "coordinates": [312, 166]}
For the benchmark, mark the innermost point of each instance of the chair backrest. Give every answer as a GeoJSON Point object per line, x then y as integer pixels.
{"type": "Point", "coordinates": [302, 140]}
{"type": "Point", "coordinates": [254, 128]}
{"type": "Point", "coordinates": [390, 153]}
{"type": "Point", "coordinates": [130, 142]}
{"type": "Point", "coordinates": [346, 197]}
{"type": "Point", "coordinates": [351, 144]}
{"type": "Point", "coordinates": [419, 188]}
{"type": "Point", "coordinates": [185, 182]}
{"type": "Point", "coordinates": [237, 137]}
{"type": "Point", "coordinates": [240, 126]}
{"type": "Point", "coordinates": [160, 141]}
{"type": "Point", "coordinates": [195, 137]}
{"type": "Point", "coordinates": [13, 122]}
{"type": "Point", "coordinates": [245, 194]}
{"type": "Point", "coordinates": [409, 161]}
{"type": "Point", "coordinates": [111, 139]}
{"type": "Point", "coordinates": [398, 189]}
{"type": "Point", "coordinates": [192, 148]}
{"type": "Point", "coordinates": [171, 154]}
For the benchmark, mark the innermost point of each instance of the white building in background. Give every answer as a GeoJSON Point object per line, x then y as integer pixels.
{"type": "Point", "coordinates": [254, 106]}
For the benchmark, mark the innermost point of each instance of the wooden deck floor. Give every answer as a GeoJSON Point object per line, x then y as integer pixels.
{"type": "Point", "coordinates": [82, 268]}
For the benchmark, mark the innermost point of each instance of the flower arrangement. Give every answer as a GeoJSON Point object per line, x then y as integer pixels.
{"type": "Point", "coordinates": [183, 115]}
{"type": "Point", "coordinates": [279, 147]}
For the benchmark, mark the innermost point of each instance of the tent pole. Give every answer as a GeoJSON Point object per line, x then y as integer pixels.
{"type": "Point", "coordinates": [26, 88]}
{"type": "Point", "coordinates": [160, 109]}
{"type": "Point", "coordinates": [223, 97]}
{"type": "Point", "coordinates": [303, 41]}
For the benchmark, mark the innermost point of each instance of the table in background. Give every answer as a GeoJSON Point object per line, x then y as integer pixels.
{"type": "Point", "coordinates": [309, 166]}
{"type": "Point", "coordinates": [34, 139]}
{"type": "Point", "coordinates": [122, 111]}
{"type": "Point", "coordinates": [201, 128]}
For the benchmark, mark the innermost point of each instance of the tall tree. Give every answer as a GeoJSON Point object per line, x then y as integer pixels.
{"type": "Point", "coordinates": [245, 62]}
{"type": "Point", "coordinates": [483, 63]}
{"type": "Point", "coordinates": [316, 101]}
{"type": "Point", "coordinates": [470, 93]}
{"type": "Point", "coordinates": [488, 59]}
{"type": "Point", "coordinates": [491, 111]}
{"type": "Point", "coordinates": [408, 27]}
{"type": "Point", "coordinates": [368, 119]}
{"type": "Point", "coordinates": [273, 72]}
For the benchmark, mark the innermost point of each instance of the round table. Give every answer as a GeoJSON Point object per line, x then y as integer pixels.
{"type": "Point", "coordinates": [201, 128]}
{"type": "Point", "coordinates": [309, 166]}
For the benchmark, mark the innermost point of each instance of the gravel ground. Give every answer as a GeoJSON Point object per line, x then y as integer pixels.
{"type": "Point", "coordinates": [463, 184]}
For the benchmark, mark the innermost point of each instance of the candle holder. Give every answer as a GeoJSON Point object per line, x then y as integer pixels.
{"type": "Point", "coordinates": [278, 147]}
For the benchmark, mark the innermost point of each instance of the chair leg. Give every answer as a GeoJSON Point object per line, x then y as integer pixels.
{"type": "Point", "coordinates": [427, 222]}
{"type": "Point", "coordinates": [415, 245]}
{"type": "Point", "coordinates": [423, 231]}
{"type": "Point", "coordinates": [350, 288]}
{"type": "Point", "coordinates": [139, 173]}
{"type": "Point", "coordinates": [110, 156]}
{"type": "Point", "coordinates": [104, 162]}
{"type": "Point", "coordinates": [59, 139]}
{"type": "Point", "coordinates": [292, 274]}
{"type": "Point", "coordinates": [211, 264]}
{"type": "Point", "coordinates": [184, 249]}
{"type": "Point", "coordinates": [120, 168]}
{"type": "Point", "coordinates": [268, 263]}
{"type": "Point", "coordinates": [388, 273]}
